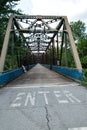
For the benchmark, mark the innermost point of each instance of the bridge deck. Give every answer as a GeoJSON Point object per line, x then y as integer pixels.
{"type": "Point", "coordinates": [41, 99]}
{"type": "Point", "coordinates": [40, 76]}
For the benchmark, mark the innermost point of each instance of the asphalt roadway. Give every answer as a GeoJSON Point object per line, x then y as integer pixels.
{"type": "Point", "coordinates": [41, 99]}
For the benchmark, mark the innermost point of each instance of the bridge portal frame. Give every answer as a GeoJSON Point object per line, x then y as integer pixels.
{"type": "Point", "coordinates": [64, 20]}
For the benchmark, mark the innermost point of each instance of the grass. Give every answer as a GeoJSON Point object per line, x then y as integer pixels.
{"type": "Point", "coordinates": [84, 82]}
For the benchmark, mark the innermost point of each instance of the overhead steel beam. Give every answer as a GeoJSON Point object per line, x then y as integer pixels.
{"type": "Point", "coordinates": [58, 27]}
{"type": "Point", "coordinates": [40, 46]}
{"type": "Point", "coordinates": [37, 35]}
{"type": "Point", "coordinates": [32, 24]}
{"type": "Point", "coordinates": [46, 24]}
{"type": "Point", "coordinates": [38, 17]}
{"type": "Point", "coordinates": [18, 26]}
{"type": "Point", "coordinates": [39, 50]}
{"type": "Point", "coordinates": [41, 41]}
{"type": "Point", "coordinates": [35, 31]}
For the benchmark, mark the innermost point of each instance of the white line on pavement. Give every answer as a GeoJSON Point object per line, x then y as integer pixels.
{"type": "Point", "coordinates": [39, 86]}
{"type": "Point", "coordinates": [79, 128]}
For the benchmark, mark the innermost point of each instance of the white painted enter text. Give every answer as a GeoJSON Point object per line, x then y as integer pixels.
{"type": "Point", "coordinates": [30, 98]}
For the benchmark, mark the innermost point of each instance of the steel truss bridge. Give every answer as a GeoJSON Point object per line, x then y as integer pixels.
{"type": "Point", "coordinates": [40, 34]}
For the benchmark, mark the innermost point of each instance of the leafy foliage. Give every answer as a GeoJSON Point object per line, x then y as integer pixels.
{"type": "Point", "coordinates": [78, 28]}
{"type": "Point", "coordinates": [6, 10]}
{"type": "Point", "coordinates": [82, 49]}
{"type": "Point", "coordinates": [3, 2]}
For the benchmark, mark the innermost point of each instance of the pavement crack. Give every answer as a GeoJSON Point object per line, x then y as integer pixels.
{"type": "Point", "coordinates": [47, 118]}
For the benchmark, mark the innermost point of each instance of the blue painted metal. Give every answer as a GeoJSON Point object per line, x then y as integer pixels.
{"type": "Point", "coordinates": [72, 73]}
{"type": "Point", "coordinates": [29, 67]}
{"type": "Point", "coordinates": [7, 77]}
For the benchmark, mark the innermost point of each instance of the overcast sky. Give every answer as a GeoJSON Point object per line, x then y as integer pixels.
{"type": "Point", "coordinates": [73, 9]}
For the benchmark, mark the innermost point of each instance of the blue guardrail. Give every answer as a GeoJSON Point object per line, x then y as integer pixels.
{"type": "Point", "coordinates": [71, 73]}
{"type": "Point", "coordinates": [8, 76]}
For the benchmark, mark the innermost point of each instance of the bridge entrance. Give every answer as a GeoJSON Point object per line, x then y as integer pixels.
{"type": "Point", "coordinates": [40, 98]}
{"type": "Point", "coordinates": [38, 36]}
{"type": "Point", "coordinates": [40, 39]}
{"type": "Point", "coordinates": [39, 76]}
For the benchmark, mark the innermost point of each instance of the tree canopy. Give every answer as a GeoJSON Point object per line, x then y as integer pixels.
{"type": "Point", "coordinates": [6, 10]}
{"type": "Point", "coordinates": [3, 2]}
{"type": "Point", "coordinates": [78, 30]}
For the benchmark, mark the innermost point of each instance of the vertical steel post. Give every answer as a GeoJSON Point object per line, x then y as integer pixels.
{"type": "Point", "coordinates": [53, 52]}
{"type": "Point", "coordinates": [61, 51]}
{"type": "Point", "coordinates": [5, 45]}
{"type": "Point", "coordinates": [31, 58]}
{"type": "Point", "coordinates": [50, 57]}
{"type": "Point", "coordinates": [57, 50]}
{"type": "Point", "coordinates": [44, 58]}
{"type": "Point", "coordinates": [12, 48]}
{"type": "Point", "coordinates": [65, 41]}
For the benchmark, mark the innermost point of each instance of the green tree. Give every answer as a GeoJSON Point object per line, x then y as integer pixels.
{"type": "Point", "coordinates": [6, 10]}
{"type": "Point", "coordinates": [78, 29]}
{"type": "Point", "coordinates": [3, 2]}
{"type": "Point", "coordinates": [82, 49]}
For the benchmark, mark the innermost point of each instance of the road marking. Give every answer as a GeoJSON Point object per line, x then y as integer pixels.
{"type": "Point", "coordinates": [58, 95]}
{"type": "Point", "coordinates": [22, 93]}
{"type": "Point", "coordinates": [45, 95]}
{"type": "Point", "coordinates": [70, 96]}
{"type": "Point", "coordinates": [63, 101]}
{"type": "Point", "coordinates": [18, 98]}
{"type": "Point", "coordinates": [31, 97]}
{"type": "Point", "coordinates": [63, 97]}
{"type": "Point", "coordinates": [79, 128]}
{"type": "Point", "coordinates": [27, 86]}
